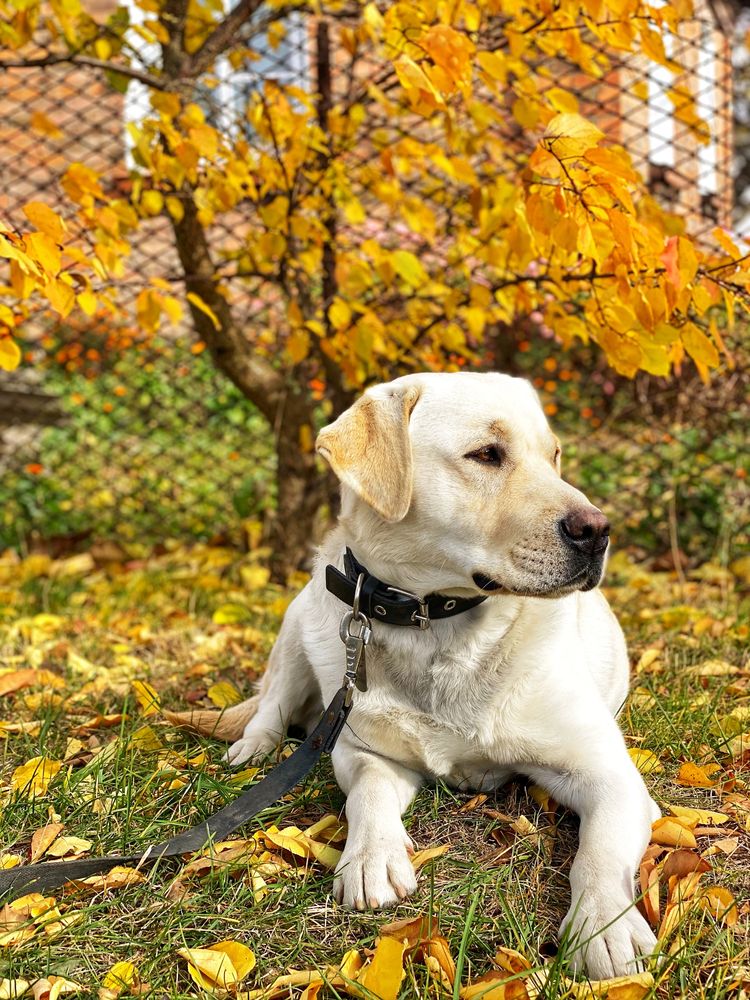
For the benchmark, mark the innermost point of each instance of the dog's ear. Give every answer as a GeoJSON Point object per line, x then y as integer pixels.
{"type": "Point", "coordinates": [368, 448]}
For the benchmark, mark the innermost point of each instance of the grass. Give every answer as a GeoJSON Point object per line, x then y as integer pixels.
{"type": "Point", "coordinates": [158, 619]}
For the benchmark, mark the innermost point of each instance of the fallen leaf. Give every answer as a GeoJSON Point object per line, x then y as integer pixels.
{"type": "Point", "coordinates": [682, 862]}
{"type": "Point", "coordinates": [494, 986]}
{"type": "Point", "coordinates": [673, 832]}
{"type": "Point", "coordinates": [43, 838]}
{"type": "Point", "coordinates": [650, 903]}
{"type": "Point", "coordinates": [215, 966]}
{"type": "Point", "coordinates": [17, 679]}
{"type": "Point", "coordinates": [116, 878]}
{"type": "Point", "coordinates": [12, 988]}
{"type": "Point", "coordinates": [147, 697]}
{"type": "Point", "coordinates": [437, 955]}
{"type": "Point", "coordinates": [420, 858]}
{"type": "Point", "coordinates": [282, 985]}
{"type": "Point", "coordinates": [697, 775]}
{"type": "Point", "coordinates": [647, 658]}
{"type": "Point", "coordinates": [30, 728]}
{"type": "Point", "coordinates": [21, 918]}
{"type": "Point", "coordinates": [33, 778]}
{"type": "Point", "coordinates": [726, 845]}
{"type": "Point", "coordinates": [704, 817]}
{"type": "Point", "coordinates": [646, 761]}
{"type": "Point", "coordinates": [99, 722]}
{"type": "Point", "coordinates": [713, 668]}
{"type": "Point", "coordinates": [53, 987]}
{"type": "Point", "coordinates": [120, 978]}
{"type": "Point", "coordinates": [720, 903]}
{"type": "Point", "coordinates": [412, 930]}
{"type": "Point", "coordinates": [224, 695]}
{"type": "Point", "coordinates": [477, 800]}
{"type": "Point", "coordinates": [384, 974]}
{"type": "Point", "coordinates": [329, 828]}
{"type": "Point", "coordinates": [69, 847]}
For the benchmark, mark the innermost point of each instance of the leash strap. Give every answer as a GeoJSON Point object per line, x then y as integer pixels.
{"type": "Point", "coordinates": [50, 875]}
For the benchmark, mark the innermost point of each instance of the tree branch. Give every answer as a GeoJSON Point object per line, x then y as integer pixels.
{"type": "Point", "coordinates": [41, 62]}
{"type": "Point", "coordinates": [225, 33]}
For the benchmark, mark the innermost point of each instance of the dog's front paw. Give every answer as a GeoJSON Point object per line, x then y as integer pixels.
{"type": "Point", "coordinates": [252, 749]}
{"type": "Point", "coordinates": [607, 938]}
{"type": "Point", "coordinates": [377, 874]}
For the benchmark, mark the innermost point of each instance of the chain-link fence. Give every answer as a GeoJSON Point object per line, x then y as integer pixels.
{"type": "Point", "coordinates": [110, 435]}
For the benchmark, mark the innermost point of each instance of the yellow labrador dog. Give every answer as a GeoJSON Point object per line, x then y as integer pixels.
{"type": "Point", "coordinates": [494, 653]}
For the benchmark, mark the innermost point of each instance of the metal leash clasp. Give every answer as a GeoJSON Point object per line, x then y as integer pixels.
{"type": "Point", "coordinates": [355, 631]}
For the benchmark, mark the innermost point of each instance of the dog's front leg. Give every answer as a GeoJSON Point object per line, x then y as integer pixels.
{"type": "Point", "coordinates": [375, 868]}
{"type": "Point", "coordinates": [607, 934]}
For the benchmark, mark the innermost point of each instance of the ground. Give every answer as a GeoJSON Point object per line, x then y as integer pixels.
{"type": "Point", "coordinates": [92, 649]}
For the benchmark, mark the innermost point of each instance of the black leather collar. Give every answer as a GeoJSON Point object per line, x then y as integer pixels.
{"type": "Point", "coordinates": [381, 602]}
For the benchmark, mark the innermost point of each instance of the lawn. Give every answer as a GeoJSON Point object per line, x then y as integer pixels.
{"type": "Point", "coordinates": [90, 650]}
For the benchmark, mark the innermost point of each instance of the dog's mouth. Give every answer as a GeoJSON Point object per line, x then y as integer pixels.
{"type": "Point", "coordinates": [583, 580]}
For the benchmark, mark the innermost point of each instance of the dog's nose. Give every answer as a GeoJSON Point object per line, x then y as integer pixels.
{"type": "Point", "coordinates": [586, 530]}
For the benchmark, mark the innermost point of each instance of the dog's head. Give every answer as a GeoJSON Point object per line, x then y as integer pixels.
{"type": "Point", "coordinates": [456, 477]}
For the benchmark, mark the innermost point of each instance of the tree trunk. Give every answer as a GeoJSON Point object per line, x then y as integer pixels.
{"type": "Point", "coordinates": [301, 496]}
{"type": "Point", "coordinates": [286, 406]}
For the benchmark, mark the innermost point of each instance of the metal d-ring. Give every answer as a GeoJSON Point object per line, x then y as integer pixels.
{"type": "Point", "coordinates": [357, 593]}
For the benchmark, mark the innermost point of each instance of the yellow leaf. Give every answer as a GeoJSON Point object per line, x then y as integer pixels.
{"type": "Point", "coordinates": [242, 958]}
{"type": "Point", "coordinates": [383, 976]}
{"type": "Point", "coordinates": [646, 761]}
{"type": "Point", "coordinates": [209, 968]}
{"type": "Point", "coordinates": [10, 354]}
{"type": "Point", "coordinates": [44, 125]}
{"type": "Point", "coordinates": [420, 858]}
{"type": "Point", "coordinates": [409, 268]}
{"type": "Point", "coordinates": [43, 838]}
{"type": "Point", "coordinates": [699, 817]}
{"type": "Point", "coordinates": [33, 778]}
{"type": "Point", "coordinates": [10, 989]}
{"type": "Point", "coordinates": [569, 135]}
{"type": "Point", "coordinates": [45, 251]}
{"type": "Point", "coordinates": [147, 697]}
{"type": "Point", "coordinates": [175, 208]}
{"type": "Point", "coordinates": [231, 614]}
{"type": "Point", "coordinates": [53, 987]}
{"type": "Point", "coordinates": [69, 847]}
{"type": "Point", "coordinates": [672, 832]}
{"type": "Point", "coordinates": [45, 220]}
{"type": "Point", "coordinates": [255, 576]}
{"type": "Point", "coordinates": [201, 306]}
{"type": "Point", "coordinates": [697, 776]}
{"type": "Point", "coordinates": [152, 202]}
{"type": "Point", "coordinates": [118, 980]}
{"type": "Point", "coordinates": [340, 314]}
{"type": "Point", "coordinates": [720, 903]}
{"type": "Point", "coordinates": [562, 100]}
{"type": "Point", "coordinates": [116, 878]}
{"type": "Point", "coordinates": [223, 694]}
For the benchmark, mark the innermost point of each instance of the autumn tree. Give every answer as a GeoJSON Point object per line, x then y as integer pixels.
{"type": "Point", "coordinates": [422, 180]}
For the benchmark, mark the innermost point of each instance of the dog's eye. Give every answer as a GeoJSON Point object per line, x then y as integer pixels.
{"type": "Point", "coordinates": [556, 459]}
{"type": "Point", "coordinates": [491, 454]}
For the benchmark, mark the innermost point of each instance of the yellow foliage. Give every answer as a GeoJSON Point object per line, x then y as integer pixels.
{"type": "Point", "coordinates": [366, 231]}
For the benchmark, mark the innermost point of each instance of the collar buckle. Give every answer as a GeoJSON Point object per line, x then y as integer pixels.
{"type": "Point", "coordinates": [422, 614]}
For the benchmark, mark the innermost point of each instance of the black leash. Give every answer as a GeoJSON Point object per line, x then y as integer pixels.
{"type": "Point", "coordinates": [366, 596]}
{"type": "Point", "coordinates": [49, 875]}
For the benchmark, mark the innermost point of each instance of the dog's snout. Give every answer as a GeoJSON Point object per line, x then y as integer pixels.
{"type": "Point", "coordinates": [585, 530]}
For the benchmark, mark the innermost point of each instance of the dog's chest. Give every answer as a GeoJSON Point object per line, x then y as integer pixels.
{"type": "Point", "coordinates": [440, 707]}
